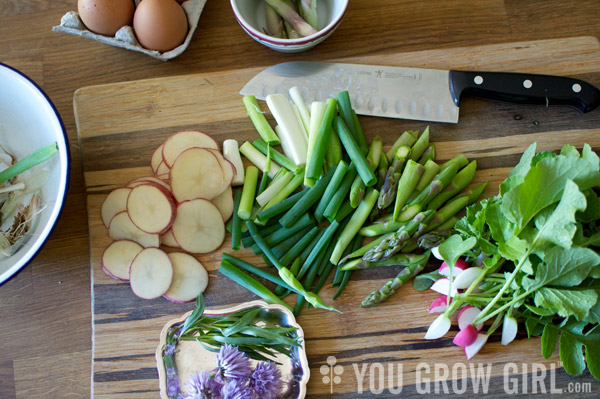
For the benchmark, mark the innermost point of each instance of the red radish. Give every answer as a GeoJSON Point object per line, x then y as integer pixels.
{"type": "Point", "coordinates": [114, 203]}
{"type": "Point", "coordinates": [509, 329]}
{"type": "Point", "coordinates": [466, 278]}
{"type": "Point", "coordinates": [148, 179]}
{"type": "Point", "coordinates": [156, 158]}
{"type": "Point", "coordinates": [476, 346]}
{"type": "Point", "coordinates": [436, 253]}
{"type": "Point", "coordinates": [460, 265]}
{"type": "Point", "coordinates": [151, 273]}
{"type": "Point", "coordinates": [184, 140]}
{"type": "Point", "coordinates": [466, 336]}
{"type": "Point", "coordinates": [467, 315]}
{"type": "Point", "coordinates": [224, 202]}
{"type": "Point", "coordinates": [197, 173]}
{"type": "Point", "coordinates": [190, 278]}
{"type": "Point", "coordinates": [439, 304]}
{"type": "Point", "coordinates": [162, 169]}
{"type": "Point", "coordinates": [122, 228]}
{"type": "Point", "coordinates": [438, 328]}
{"type": "Point", "coordinates": [151, 208]}
{"type": "Point", "coordinates": [442, 286]}
{"type": "Point", "coordinates": [117, 258]}
{"type": "Point", "coordinates": [168, 239]}
{"type": "Point", "coordinates": [198, 226]}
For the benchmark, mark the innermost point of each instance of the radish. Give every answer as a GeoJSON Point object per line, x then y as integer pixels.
{"type": "Point", "coordinates": [467, 315]}
{"type": "Point", "coordinates": [198, 226]}
{"type": "Point", "coordinates": [151, 208]}
{"type": "Point", "coordinates": [476, 346]}
{"type": "Point", "coordinates": [156, 158]}
{"type": "Point", "coordinates": [224, 202]}
{"type": "Point", "coordinates": [190, 278]}
{"type": "Point", "coordinates": [122, 228]}
{"type": "Point", "coordinates": [436, 253]}
{"type": "Point", "coordinates": [459, 266]}
{"type": "Point", "coordinates": [466, 278]}
{"type": "Point", "coordinates": [439, 304]}
{"type": "Point", "coordinates": [148, 179]}
{"type": "Point", "coordinates": [117, 258]}
{"type": "Point", "coordinates": [197, 173]}
{"type": "Point", "coordinates": [184, 140]}
{"type": "Point", "coordinates": [442, 286]}
{"type": "Point", "coordinates": [150, 273]}
{"type": "Point", "coordinates": [509, 329]}
{"type": "Point", "coordinates": [438, 328]}
{"type": "Point", "coordinates": [231, 153]}
{"type": "Point", "coordinates": [466, 336]}
{"type": "Point", "coordinates": [168, 239]}
{"type": "Point", "coordinates": [114, 203]}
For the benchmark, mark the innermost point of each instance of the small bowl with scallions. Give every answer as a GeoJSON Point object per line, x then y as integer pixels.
{"type": "Point", "coordinates": [34, 170]}
{"type": "Point", "coordinates": [289, 26]}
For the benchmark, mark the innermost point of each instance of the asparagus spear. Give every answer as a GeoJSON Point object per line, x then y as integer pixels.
{"type": "Point", "coordinates": [455, 205]}
{"type": "Point", "coordinates": [430, 169]}
{"type": "Point", "coordinates": [408, 138]}
{"type": "Point", "coordinates": [407, 184]}
{"type": "Point", "coordinates": [396, 260]}
{"type": "Point", "coordinates": [420, 145]}
{"type": "Point", "coordinates": [380, 295]}
{"type": "Point", "coordinates": [357, 191]}
{"type": "Point", "coordinates": [460, 181]}
{"type": "Point", "coordinates": [395, 242]}
{"type": "Point", "coordinates": [428, 155]}
{"type": "Point", "coordinates": [392, 177]}
{"type": "Point", "coordinates": [291, 16]}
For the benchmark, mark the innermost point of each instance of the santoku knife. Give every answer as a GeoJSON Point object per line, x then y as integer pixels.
{"type": "Point", "coordinates": [417, 93]}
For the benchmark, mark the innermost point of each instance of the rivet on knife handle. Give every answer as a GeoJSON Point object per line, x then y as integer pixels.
{"type": "Point", "coordinates": [525, 88]}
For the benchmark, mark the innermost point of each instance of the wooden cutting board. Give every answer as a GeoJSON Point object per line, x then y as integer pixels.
{"type": "Point", "coordinates": [119, 126]}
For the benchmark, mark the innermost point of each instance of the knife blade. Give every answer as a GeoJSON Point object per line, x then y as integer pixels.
{"type": "Point", "coordinates": [418, 93]}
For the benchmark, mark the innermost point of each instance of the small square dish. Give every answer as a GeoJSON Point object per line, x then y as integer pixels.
{"type": "Point", "coordinates": [125, 37]}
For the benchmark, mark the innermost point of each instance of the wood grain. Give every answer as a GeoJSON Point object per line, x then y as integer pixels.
{"type": "Point", "coordinates": [120, 125]}
{"type": "Point", "coordinates": [46, 308]}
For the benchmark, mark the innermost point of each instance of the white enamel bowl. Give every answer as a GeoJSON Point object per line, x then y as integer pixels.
{"type": "Point", "coordinates": [28, 121]}
{"type": "Point", "coordinates": [250, 14]}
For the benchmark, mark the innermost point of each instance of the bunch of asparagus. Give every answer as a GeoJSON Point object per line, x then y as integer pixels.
{"type": "Point", "coordinates": [290, 19]}
{"type": "Point", "coordinates": [417, 207]}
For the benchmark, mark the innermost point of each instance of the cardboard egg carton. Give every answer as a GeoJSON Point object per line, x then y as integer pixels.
{"type": "Point", "coordinates": [125, 37]}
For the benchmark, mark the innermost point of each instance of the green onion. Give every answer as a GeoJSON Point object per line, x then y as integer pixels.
{"type": "Point", "coordinates": [251, 284]}
{"type": "Point", "coordinates": [248, 190]}
{"type": "Point", "coordinates": [345, 109]}
{"type": "Point", "coordinates": [293, 139]}
{"type": "Point", "coordinates": [287, 244]}
{"type": "Point", "coordinates": [260, 122]}
{"type": "Point", "coordinates": [280, 207]}
{"type": "Point", "coordinates": [354, 152]}
{"type": "Point", "coordinates": [331, 189]}
{"type": "Point", "coordinates": [285, 232]}
{"type": "Point", "coordinates": [300, 106]}
{"type": "Point", "coordinates": [321, 245]}
{"type": "Point", "coordinates": [315, 164]}
{"type": "Point", "coordinates": [236, 225]}
{"type": "Point", "coordinates": [282, 194]}
{"type": "Point", "coordinates": [264, 180]}
{"type": "Point", "coordinates": [260, 272]}
{"type": "Point", "coordinates": [276, 156]}
{"type": "Point", "coordinates": [35, 158]}
{"type": "Point", "coordinates": [317, 112]}
{"type": "Point", "coordinates": [281, 179]}
{"type": "Point", "coordinates": [341, 194]}
{"type": "Point", "coordinates": [299, 246]}
{"type": "Point", "coordinates": [257, 158]}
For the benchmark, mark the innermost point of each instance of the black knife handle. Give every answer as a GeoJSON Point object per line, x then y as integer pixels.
{"type": "Point", "coordinates": [525, 88]}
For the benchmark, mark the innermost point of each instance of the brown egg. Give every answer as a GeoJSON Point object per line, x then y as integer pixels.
{"type": "Point", "coordinates": [105, 17]}
{"type": "Point", "coordinates": [160, 24]}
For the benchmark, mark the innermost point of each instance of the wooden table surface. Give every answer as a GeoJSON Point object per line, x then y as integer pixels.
{"type": "Point", "coordinates": [45, 334]}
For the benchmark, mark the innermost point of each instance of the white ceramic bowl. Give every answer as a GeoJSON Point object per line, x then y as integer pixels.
{"type": "Point", "coordinates": [251, 16]}
{"type": "Point", "coordinates": [28, 121]}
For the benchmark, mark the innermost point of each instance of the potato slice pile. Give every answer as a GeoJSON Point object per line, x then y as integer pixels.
{"type": "Point", "coordinates": [183, 205]}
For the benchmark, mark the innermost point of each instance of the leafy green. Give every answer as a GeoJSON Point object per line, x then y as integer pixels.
{"type": "Point", "coordinates": [541, 230]}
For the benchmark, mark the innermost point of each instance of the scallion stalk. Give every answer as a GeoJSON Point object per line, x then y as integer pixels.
{"type": "Point", "coordinates": [260, 122]}
{"type": "Point", "coordinates": [248, 191]}
{"type": "Point", "coordinates": [317, 112]}
{"type": "Point", "coordinates": [303, 111]}
{"type": "Point", "coordinates": [341, 194]}
{"type": "Point", "coordinates": [276, 156]}
{"type": "Point", "coordinates": [258, 158]}
{"type": "Point", "coordinates": [293, 139]}
{"type": "Point", "coordinates": [334, 183]}
{"type": "Point", "coordinates": [280, 180]}
{"type": "Point", "coordinates": [299, 246]}
{"type": "Point", "coordinates": [35, 158]}
{"type": "Point", "coordinates": [236, 224]}
{"type": "Point", "coordinates": [273, 210]}
{"type": "Point", "coordinates": [260, 272]}
{"type": "Point", "coordinates": [315, 164]}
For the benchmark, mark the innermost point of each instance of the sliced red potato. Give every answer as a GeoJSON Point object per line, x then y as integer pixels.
{"type": "Point", "coordinates": [224, 202]}
{"type": "Point", "coordinates": [227, 166]}
{"type": "Point", "coordinates": [115, 202]}
{"type": "Point", "coordinates": [122, 228]}
{"type": "Point", "coordinates": [162, 169]}
{"type": "Point", "coordinates": [148, 179]}
{"type": "Point", "coordinates": [168, 239]}
{"type": "Point", "coordinates": [150, 273]}
{"type": "Point", "coordinates": [117, 258]}
{"type": "Point", "coordinates": [197, 173]}
{"type": "Point", "coordinates": [190, 278]}
{"type": "Point", "coordinates": [183, 140]}
{"type": "Point", "coordinates": [198, 226]}
{"type": "Point", "coordinates": [156, 159]}
{"type": "Point", "coordinates": [151, 208]}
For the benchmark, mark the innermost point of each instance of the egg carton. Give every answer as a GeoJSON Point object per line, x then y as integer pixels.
{"type": "Point", "coordinates": [125, 37]}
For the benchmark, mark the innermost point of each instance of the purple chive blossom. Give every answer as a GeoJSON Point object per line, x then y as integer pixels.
{"type": "Point", "coordinates": [236, 389]}
{"type": "Point", "coordinates": [173, 385]}
{"type": "Point", "coordinates": [170, 349]}
{"type": "Point", "coordinates": [232, 364]}
{"type": "Point", "coordinates": [202, 385]}
{"type": "Point", "coordinates": [266, 380]}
